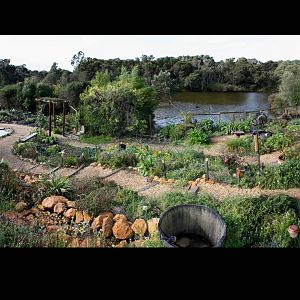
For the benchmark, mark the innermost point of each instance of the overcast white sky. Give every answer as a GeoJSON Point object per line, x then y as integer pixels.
{"type": "Point", "coordinates": [38, 52]}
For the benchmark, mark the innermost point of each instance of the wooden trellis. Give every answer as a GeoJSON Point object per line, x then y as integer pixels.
{"type": "Point", "coordinates": [51, 104]}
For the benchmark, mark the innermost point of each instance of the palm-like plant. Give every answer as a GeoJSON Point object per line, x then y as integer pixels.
{"type": "Point", "coordinates": [56, 185]}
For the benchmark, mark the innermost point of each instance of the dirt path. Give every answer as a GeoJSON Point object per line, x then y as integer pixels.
{"type": "Point", "coordinates": [129, 178]}
{"type": "Point", "coordinates": [6, 145]}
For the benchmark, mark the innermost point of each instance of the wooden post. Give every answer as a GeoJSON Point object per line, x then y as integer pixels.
{"type": "Point", "coordinates": [256, 148]}
{"type": "Point", "coordinates": [219, 118]}
{"type": "Point", "coordinates": [206, 164]}
{"type": "Point", "coordinates": [54, 116]}
{"type": "Point", "coordinates": [64, 119]}
{"type": "Point", "coordinates": [49, 125]}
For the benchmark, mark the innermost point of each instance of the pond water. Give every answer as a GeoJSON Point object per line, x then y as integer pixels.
{"type": "Point", "coordinates": [208, 102]}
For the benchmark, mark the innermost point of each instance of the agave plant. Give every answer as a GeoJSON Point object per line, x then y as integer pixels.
{"type": "Point", "coordinates": [55, 185]}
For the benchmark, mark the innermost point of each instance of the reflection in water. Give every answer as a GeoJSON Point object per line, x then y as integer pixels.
{"type": "Point", "coordinates": [210, 102]}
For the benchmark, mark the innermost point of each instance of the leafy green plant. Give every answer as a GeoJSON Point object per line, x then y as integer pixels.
{"type": "Point", "coordinates": [116, 158]}
{"type": "Point", "coordinates": [131, 202]}
{"type": "Point", "coordinates": [291, 152]}
{"type": "Point", "coordinates": [240, 145]}
{"type": "Point", "coordinates": [284, 176]}
{"type": "Point", "coordinates": [8, 181]}
{"type": "Point", "coordinates": [52, 150]}
{"type": "Point", "coordinates": [57, 130]}
{"type": "Point", "coordinates": [153, 242]}
{"type": "Point", "coordinates": [278, 141]}
{"type": "Point", "coordinates": [99, 200]}
{"type": "Point", "coordinates": [294, 122]}
{"type": "Point", "coordinates": [206, 125]}
{"type": "Point", "coordinates": [148, 161]}
{"type": "Point", "coordinates": [50, 140]}
{"type": "Point", "coordinates": [16, 236]}
{"type": "Point", "coordinates": [27, 149]}
{"type": "Point", "coordinates": [172, 132]}
{"type": "Point", "coordinates": [70, 161]}
{"type": "Point", "coordinates": [55, 185]}
{"type": "Point", "coordinates": [189, 172]}
{"type": "Point", "coordinates": [196, 136]}
{"type": "Point", "coordinates": [228, 128]}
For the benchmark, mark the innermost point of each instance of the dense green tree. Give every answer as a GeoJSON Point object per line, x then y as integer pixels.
{"type": "Point", "coordinates": [77, 58]}
{"type": "Point", "coordinates": [72, 91]}
{"type": "Point", "coordinates": [44, 90]}
{"type": "Point", "coordinates": [10, 96]}
{"type": "Point", "coordinates": [289, 89]}
{"type": "Point", "coordinates": [124, 106]}
{"type": "Point", "coordinates": [10, 74]}
{"type": "Point", "coordinates": [28, 94]}
{"type": "Point", "coordinates": [53, 76]}
{"type": "Point", "coordinates": [163, 86]}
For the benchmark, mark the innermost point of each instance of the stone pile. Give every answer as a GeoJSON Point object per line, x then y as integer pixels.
{"type": "Point", "coordinates": [59, 216]}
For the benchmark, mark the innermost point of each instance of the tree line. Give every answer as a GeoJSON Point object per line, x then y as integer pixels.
{"type": "Point", "coordinates": [20, 86]}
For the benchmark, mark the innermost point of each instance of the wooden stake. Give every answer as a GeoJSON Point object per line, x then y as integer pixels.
{"type": "Point", "coordinates": [54, 116]}
{"type": "Point", "coordinates": [206, 164]}
{"type": "Point", "coordinates": [49, 125]}
{"type": "Point", "coordinates": [64, 119]}
{"type": "Point", "coordinates": [256, 148]}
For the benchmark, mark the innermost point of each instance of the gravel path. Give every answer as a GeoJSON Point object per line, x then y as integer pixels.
{"type": "Point", "coordinates": [129, 178]}
{"type": "Point", "coordinates": [6, 145]}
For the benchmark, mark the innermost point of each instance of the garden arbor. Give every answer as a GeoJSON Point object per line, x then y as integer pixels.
{"type": "Point", "coordinates": [51, 107]}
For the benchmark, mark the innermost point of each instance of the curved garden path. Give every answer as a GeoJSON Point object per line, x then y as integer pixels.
{"type": "Point", "coordinates": [129, 178]}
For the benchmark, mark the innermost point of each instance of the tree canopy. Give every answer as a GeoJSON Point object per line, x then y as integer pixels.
{"type": "Point", "coordinates": [124, 106]}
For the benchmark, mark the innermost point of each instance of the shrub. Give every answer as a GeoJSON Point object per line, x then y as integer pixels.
{"type": "Point", "coordinates": [131, 202]}
{"type": "Point", "coordinates": [49, 139]}
{"type": "Point", "coordinates": [172, 132]}
{"type": "Point", "coordinates": [27, 149]}
{"type": "Point", "coordinates": [116, 158]}
{"type": "Point", "coordinates": [273, 231]}
{"type": "Point", "coordinates": [98, 200]}
{"type": "Point", "coordinates": [277, 141]}
{"type": "Point", "coordinates": [8, 181]}
{"type": "Point", "coordinates": [19, 236]}
{"type": "Point", "coordinates": [70, 160]}
{"type": "Point", "coordinates": [153, 242]}
{"type": "Point", "coordinates": [16, 236]}
{"type": "Point", "coordinates": [295, 121]}
{"type": "Point", "coordinates": [291, 152]}
{"type": "Point", "coordinates": [284, 176]}
{"type": "Point", "coordinates": [196, 136]}
{"type": "Point", "coordinates": [55, 185]}
{"type": "Point", "coordinates": [228, 128]}
{"type": "Point", "coordinates": [52, 150]}
{"type": "Point", "coordinates": [206, 125]}
{"type": "Point", "coordinates": [240, 145]}
{"type": "Point", "coordinates": [175, 198]}
{"type": "Point", "coordinates": [189, 172]}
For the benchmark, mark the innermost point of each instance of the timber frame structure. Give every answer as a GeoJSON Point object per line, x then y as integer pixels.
{"type": "Point", "coordinates": [51, 104]}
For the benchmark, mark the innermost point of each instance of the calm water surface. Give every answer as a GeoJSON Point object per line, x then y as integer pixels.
{"type": "Point", "coordinates": [210, 102]}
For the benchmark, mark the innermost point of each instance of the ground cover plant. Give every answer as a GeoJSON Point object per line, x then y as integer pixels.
{"type": "Point", "coordinates": [251, 221]}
